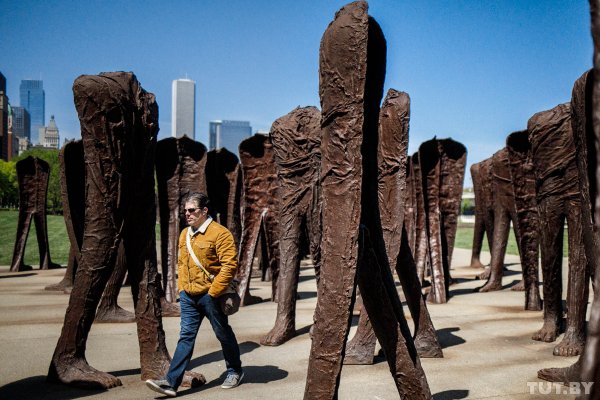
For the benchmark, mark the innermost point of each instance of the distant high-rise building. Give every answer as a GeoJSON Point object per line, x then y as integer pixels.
{"type": "Point", "coordinates": [49, 135]}
{"type": "Point", "coordinates": [33, 98]}
{"type": "Point", "coordinates": [183, 108]}
{"type": "Point", "coordinates": [4, 111]}
{"type": "Point", "coordinates": [21, 123]}
{"type": "Point", "coordinates": [228, 134]}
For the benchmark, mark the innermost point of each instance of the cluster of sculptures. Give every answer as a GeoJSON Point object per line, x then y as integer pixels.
{"type": "Point", "coordinates": [335, 184]}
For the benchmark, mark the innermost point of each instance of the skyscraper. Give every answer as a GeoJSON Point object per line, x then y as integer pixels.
{"type": "Point", "coordinates": [33, 99]}
{"type": "Point", "coordinates": [21, 122]}
{"type": "Point", "coordinates": [183, 108]}
{"type": "Point", "coordinates": [228, 134]}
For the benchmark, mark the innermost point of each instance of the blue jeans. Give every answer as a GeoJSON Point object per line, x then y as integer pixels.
{"type": "Point", "coordinates": [193, 311]}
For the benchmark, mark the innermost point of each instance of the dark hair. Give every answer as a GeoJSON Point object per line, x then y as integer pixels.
{"type": "Point", "coordinates": [199, 199]}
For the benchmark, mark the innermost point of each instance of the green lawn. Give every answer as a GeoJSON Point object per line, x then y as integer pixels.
{"type": "Point", "coordinates": [464, 240]}
{"type": "Point", "coordinates": [57, 236]}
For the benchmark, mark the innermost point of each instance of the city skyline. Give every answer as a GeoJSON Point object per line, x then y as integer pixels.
{"type": "Point", "coordinates": [475, 71]}
{"type": "Point", "coordinates": [33, 98]}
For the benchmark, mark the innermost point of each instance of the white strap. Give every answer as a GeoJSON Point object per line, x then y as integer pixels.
{"type": "Point", "coordinates": [193, 255]}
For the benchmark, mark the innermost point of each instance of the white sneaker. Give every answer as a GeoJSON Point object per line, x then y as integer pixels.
{"type": "Point", "coordinates": [233, 380]}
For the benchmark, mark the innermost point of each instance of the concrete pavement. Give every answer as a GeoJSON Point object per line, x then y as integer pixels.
{"type": "Point", "coordinates": [488, 351]}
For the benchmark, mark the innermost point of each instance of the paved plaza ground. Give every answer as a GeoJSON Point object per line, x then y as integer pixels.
{"type": "Point", "coordinates": [488, 351]}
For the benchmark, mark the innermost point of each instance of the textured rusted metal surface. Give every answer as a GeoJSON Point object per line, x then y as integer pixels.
{"type": "Point", "coordinates": [224, 189]}
{"type": "Point", "coordinates": [352, 70]}
{"type": "Point", "coordinates": [452, 174]}
{"type": "Point", "coordinates": [119, 123]}
{"type": "Point", "coordinates": [260, 210]}
{"type": "Point", "coordinates": [32, 176]}
{"type": "Point", "coordinates": [590, 371]}
{"type": "Point", "coordinates": [442, 163]}
{"type": "Point", "coordinates": [505, 213]}
{"type": "Point", "coordinates": [410, 206]}
{"type": "Point", "coordinates": [527, 219]}
{"type": "Point", "coordinates": [180, 170]}
{"type": "Point", "coordinates": [421, 249]}
{"type": "Point", "coordinates": [296, 139]}
{"type": "Point", "coordinates": [392, 160]}
{"type": "Point", "coordinates": [72, 190]}
{"type": "Point", "coordinates": [558, 198]}
{"type": "Point", "coordinates": [481, 173]}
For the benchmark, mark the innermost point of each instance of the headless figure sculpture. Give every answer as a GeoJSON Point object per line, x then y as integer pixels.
{"type": "Point", "coordinates": [590, 371]}
{"type": "Point", "coordinates": [352, 71]}
{"type": "Point", "coordinates": [442, 163]}
{"type": "Point", "coordinates": [119, 123]}
{"type": "Point", "coordinates": [32, 174]}
{"type": "Point", "coordinates": [484, 212]}
{"type": "Point", "coordinates": [72, 190]}
{"type": "Point", "coordinates": [558, 198]}
{"type": "Point", "coordinates": [296, 139]}
{"type": "Point", "coordinates": [224, 189]}
{"type": "Point", "coordinates": [179, 171]}
{"type": "Point", "coordinates": [393, 143]}
{"type": "Point", "coordinates": [582, 117]}
{"type": "Point", "coordinates": [421, 249]}
{"type": "Point", "coordinates": [260, 210]}
{"type": "Point", "coordinates": [527, 223]}
{"type": "Point", "coordinates": [505, 213]}
{"type": "Point", "coordinates": [72, 178]}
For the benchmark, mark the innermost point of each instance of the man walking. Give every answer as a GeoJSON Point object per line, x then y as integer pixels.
{"type": "Point", "coordinates": [206, 265]}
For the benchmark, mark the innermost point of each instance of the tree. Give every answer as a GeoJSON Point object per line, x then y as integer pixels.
{"type": "Point", "coordinates": [9, 189]}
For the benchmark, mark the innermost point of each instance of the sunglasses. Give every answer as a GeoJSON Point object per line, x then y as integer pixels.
{"type": "Point", "coordinates": [191, 210]}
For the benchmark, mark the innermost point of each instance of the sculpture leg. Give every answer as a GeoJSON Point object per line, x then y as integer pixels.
{"type": "Point", "coordinates": [578, 285]}
{"type": "Point", "coordinates": [426, 341]}
{"type": "Point", "coordinates": [41, 231]}
{"type": "Point", "coordinates": [67, 280]}
{"type": "Point", "coordinates": [389, 323]}
{"type": "Point", "coordinates": [478, 232]}
{"type": "Point", "coordinates": [68, 363]}
{"type": "Point", "coordinates": [109, 310]}
{"type": "Point", "coordinates": [168, 301]}
{"type": "Point", "coordinates": [270, 251]}
{"type": "Point", "coordinates": [23, 226]}
{"type": "Point", "coordinates": [287, 285]}
{"type": "Point", "coordinates": [250, 233]}
{"type": "Point", "coordinates": [552, 230]}
{"type": "Point", "coordinates": [361, 349]}
{"type": "Point", "coordinates": [501, 230]}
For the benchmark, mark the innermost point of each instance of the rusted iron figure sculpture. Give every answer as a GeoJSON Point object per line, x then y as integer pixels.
{"type": "Point", "coordinates": [180, 170]}
{"type": "Point", "coordinates": [296, 139]}
{"type": "Point", "coordinates": [352, 70]}
{"type": "Point", "coordinates": [558, 198]}
{"type": "Point", "coordinates": [504, 213]}
{"type": "Point", "coordinates": [393, 143]}
{"type": "Point", "coordinates": [586, 140]}
{"type": "Point", "coordinates": [32, 175]}
{"type": "Point", "coordinates": [260, 210]}
{"type": "Point", "coordinates": [421, 249]}
{"type": "Point", "coordinates": [72, 190]}
{"type": "Point", "coordinates": [72, 178]}
{"type": "Point", "coordinates": [591, 356]}
{"type": "Point", "coordinates": [410, 206]}
{"type": "Point", "coordinates": [442, 163]}
{"type": "Point", "coordinates": [484, 211]}
{"type": "Point", "coordinates": [522, 177]}
{"type": "Point", "coordinates": [119, 123]}
{"type": "Point", "coordinates": [224, 188]}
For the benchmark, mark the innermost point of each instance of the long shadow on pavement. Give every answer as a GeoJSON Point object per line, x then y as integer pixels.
{"type": "Point", "coordinates": [36, 387]}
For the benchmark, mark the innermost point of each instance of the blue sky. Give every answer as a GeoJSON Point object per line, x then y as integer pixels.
{"type": "Point", "coordinates": [475, 70]}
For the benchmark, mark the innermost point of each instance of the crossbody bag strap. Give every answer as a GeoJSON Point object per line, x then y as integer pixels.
{"type": "Point", "coordinates": [193, 255]}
